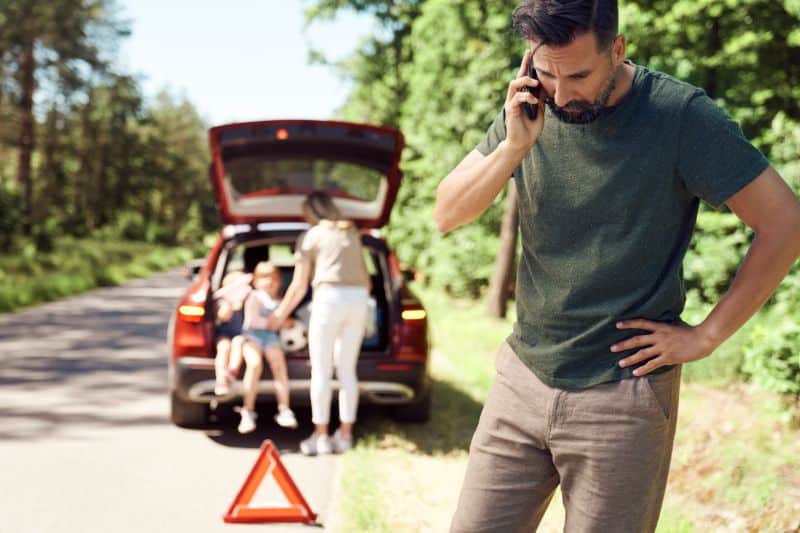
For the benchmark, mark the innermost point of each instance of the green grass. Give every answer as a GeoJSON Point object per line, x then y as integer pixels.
{"type": "Point", "coordinates": [28, 277]}
{"type": "Point", "coordinates": [735, 460]}
{"type": "Point", "coordinates": [465, 340]}
{"type": "Point", "coordinates": [732, 462]}
{"type": "Point", "coordinates": [675, 520]}
{"type": "Point", "coordinates": [363, 513]}
{"type": "Point", "coordinates": [407, 462]}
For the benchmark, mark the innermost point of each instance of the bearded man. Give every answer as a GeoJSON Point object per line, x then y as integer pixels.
{"type": "Point", "coordinates": [611, 161]}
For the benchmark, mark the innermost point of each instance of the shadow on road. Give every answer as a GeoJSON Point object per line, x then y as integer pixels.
{"type": "Point", "coordinates": [99, 360]}
{"type": "Point", "coordinates": [224, 420]}
{"type": "Point", "coordinates": [453, 419]}
{"type": "Point", "coordinates": [454, 416]}
{"type": "Point", "coordinates": [87, 362]}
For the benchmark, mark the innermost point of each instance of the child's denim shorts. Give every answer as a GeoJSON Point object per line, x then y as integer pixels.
{"type": "Point", "coordinates": [232, 327]}
{"type": "Point", "coordinates": [263, 337]}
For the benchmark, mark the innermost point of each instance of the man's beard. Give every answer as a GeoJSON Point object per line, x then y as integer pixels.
{"type": "Point", "coordinates": [581, 112]}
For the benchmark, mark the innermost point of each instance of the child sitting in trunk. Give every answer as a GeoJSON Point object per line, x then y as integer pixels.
{"type": "Point", "coordinates": [229, 312]}
{"type": "Point", "coordinates": [260, 341]}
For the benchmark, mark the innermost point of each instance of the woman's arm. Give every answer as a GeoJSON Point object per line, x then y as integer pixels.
{"type": "Point", "coordinates": [294, 294]}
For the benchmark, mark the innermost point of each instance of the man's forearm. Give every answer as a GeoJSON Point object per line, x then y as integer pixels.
{"type": "Point", "coordinates": [466, 192]}
{"type": "Point", "coordinates": [767, 262]}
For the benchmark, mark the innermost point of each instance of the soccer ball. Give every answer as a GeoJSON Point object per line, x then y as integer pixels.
{"type": "Point", "coordinates": [294, 338]}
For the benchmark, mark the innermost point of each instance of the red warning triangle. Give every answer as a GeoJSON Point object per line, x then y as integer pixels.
{"type": "Point", "coordinates": [269, 462]}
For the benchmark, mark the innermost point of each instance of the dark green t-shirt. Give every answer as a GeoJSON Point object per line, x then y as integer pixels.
{"type": "Point", "coordinates": [607, 211]}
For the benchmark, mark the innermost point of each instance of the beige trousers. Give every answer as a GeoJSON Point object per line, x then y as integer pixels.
{"type": "Point", "coordinates": [609, 446]}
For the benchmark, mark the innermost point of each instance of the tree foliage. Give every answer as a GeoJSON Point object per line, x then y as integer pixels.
{"type": "Point", "coordinates": [745, 53]}
{"type": "Point", "coordinates": [86, 150]}
{"type": "Point", "coordinates": [439, 69]}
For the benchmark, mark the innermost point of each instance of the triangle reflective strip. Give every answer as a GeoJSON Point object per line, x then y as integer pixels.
{"type": "Point", "coordinates": [269, 463]}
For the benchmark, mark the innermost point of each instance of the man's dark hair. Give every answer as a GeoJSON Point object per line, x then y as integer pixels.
{"type": "Point", "coordinates": [559, 22]}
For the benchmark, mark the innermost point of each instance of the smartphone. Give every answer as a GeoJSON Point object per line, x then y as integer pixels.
{"type": "Point", "coordinates": [530, 109]}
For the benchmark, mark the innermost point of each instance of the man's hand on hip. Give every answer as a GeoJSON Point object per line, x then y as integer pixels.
{"type": "Point", "coordinates": [666, 344]}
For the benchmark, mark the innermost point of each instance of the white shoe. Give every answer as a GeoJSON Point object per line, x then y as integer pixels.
{"type": "Point", "coordinates": [340, 443]}
{"type": "Point", "coordinates": [316, 444]}
{"type": "Point", "coordinates": [285, 417]}
{"type": "Point", "coordinates": [248, 422]}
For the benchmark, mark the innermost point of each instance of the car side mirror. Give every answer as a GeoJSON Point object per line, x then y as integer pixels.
{"type": "Point", "coordinates": [409, 274]}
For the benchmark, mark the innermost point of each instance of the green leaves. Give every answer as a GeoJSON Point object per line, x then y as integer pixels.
{"type": "Point", "coordinates": [742, 52]}
{"type": "Point", "coordinates": [438, 69]}
{"type": "Point", "coordinates": [772, 359]}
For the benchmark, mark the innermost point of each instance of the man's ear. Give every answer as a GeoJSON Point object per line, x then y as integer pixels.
{"type": "Point", "coordinates": [618, 50]}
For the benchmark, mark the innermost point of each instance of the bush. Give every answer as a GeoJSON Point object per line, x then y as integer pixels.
{"type": "Point", "coordinates": [783, 137]}
{"type": "Point", "coordinates": [158, 234]}
{"type": "Point", "coordinates": [772, 359]}
{"type": "Point", "coordinates": [460, 262]}
{"type": "Point", "coordinates": [772, 353]}
{"type": "Point", "coordinates": [130, 226]}
{"type": "Point", "coordinates": [191, 232]}
{"type": "Point", "coordinates": [29, 276]}
{"type": "Point", "coordinates": [717, 249]}
{"type": "Point", "coordinates": [45, 235]}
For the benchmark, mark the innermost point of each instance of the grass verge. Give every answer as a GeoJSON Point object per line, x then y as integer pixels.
{"type": "Point", "coordinates": [78, 265]}
{"type": "Point", "coordinates": [734, 466]}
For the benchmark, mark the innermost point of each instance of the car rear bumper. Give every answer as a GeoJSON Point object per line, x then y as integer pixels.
{"type": "Point", "coordinates": [193, 379]}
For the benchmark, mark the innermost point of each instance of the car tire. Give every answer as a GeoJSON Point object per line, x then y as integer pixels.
{"type": "Point", "coordinates": [419, 411]}
{"type": "Point", "coordinates": [187, 414]}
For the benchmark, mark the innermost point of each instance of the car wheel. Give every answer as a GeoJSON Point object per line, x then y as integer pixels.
{"type": "Point", "coordinates": [419, 411]}
{"type": "Point", "coordinates": [187, 414]}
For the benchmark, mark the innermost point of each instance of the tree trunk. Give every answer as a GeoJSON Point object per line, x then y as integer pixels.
{"type": "Point", "coordinates": [499, 289]}
{"type": "Point", "coordinates": [53, 186]}
{"type": "Point", "coordinates": [713, 46]}
{"type": "Point", "coordinates": [85, 147]}
{"type": "Point", "coordinates": [26, 143]}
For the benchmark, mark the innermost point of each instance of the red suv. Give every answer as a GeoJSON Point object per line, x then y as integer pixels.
{"type": "Point", "coordinates": [261, 172]}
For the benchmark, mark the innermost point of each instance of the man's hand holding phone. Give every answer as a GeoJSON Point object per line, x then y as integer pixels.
{"type": "Point", "coordinates": [524, 109]}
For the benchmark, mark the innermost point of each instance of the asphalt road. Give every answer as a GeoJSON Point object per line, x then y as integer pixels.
{"type": "Point", "coordinates": [85, 439]}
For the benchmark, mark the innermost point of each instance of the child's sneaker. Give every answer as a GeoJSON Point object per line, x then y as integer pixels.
{"type": "Point", "coordinates": [221, 388]}
{"type": "Point", "coordinates": [248, 422]}
{"type": "Point", "coordinates": [340, 443]}
{"type": "Point", "coordinates": [285, 417]}
{"type": "Point", "coordinates": [316, 444]}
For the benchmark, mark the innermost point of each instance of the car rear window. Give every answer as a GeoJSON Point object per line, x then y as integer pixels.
{"type": "Point", "coordinates": [252, 174]}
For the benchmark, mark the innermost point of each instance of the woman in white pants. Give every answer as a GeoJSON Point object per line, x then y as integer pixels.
{"type": "Point", "coordinates": [332, 250]}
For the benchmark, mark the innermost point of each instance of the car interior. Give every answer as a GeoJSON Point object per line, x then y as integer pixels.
{"type": "Point", "coordinates": [243, 254]}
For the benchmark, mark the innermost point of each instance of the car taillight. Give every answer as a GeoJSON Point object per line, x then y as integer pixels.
{"type": "Point", "coordinates": [413, 314]}
{"type": "Point", "coordinates": [192, 313]}
{"type": "Point", "coordinates": [411, 334]}
{"type": "Point", "coordinates": [192, 328]}
{"type": "Point", "coordinates": [191, 337]}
